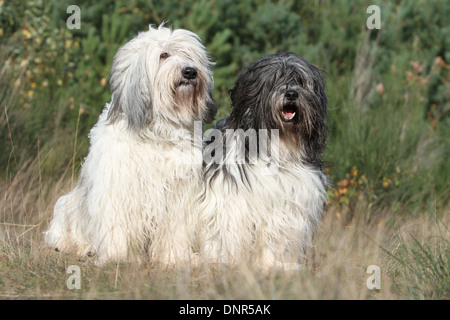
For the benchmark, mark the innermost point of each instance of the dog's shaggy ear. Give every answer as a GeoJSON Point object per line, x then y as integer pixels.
{"type": "Point", "coordinates": [130, 87]}
{"type": "Point", "coordinates": [211, 107]}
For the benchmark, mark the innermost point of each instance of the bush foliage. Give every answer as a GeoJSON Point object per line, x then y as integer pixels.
{"type": "Point", "coordinates": [388, 89]}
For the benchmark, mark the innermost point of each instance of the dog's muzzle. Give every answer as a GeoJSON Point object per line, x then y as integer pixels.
{"type": "Point", "coordinates": [188, 76]}
{"type": "Point", "coordinates": [289, 108]}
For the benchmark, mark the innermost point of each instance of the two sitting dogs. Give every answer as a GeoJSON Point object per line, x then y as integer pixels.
{"type": "Point", "coordinates": [149, 186]}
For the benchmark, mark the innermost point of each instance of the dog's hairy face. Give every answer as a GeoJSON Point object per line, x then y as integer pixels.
{"type": "Point", "coordinates": [285, 92]}
{"type": "Point", "coordinates": [162, 75]}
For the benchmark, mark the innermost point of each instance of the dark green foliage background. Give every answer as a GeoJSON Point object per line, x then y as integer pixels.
{"type": "Point", "coordinates": [388, 89]}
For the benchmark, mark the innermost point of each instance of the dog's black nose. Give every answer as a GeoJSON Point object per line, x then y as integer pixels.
{"type": "Point", "coordinates": [291, 95]}
{"type": "Point", "coordinates": [189, 73]}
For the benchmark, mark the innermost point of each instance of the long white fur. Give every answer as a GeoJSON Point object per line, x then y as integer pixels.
{"type": "Point", "coordinates": [264, 218]}
{"type": "Point", "coordinates": [135, 189]}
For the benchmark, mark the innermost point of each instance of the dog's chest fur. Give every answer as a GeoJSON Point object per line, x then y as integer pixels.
{"type": "Point", "coordinates": [256, 208]}
{"type": "Point", "coordinates": [145, 168]}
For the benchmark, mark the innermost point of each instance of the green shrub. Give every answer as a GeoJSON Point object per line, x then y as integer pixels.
{"type": "Point", "coordinates": [388, 89]}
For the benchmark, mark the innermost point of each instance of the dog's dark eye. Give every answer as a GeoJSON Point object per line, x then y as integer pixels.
{"type": "Point", "coordinates": [164, 55]}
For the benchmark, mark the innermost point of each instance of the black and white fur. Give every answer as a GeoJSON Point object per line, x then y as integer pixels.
{"type": "Point", "coordinates": [249, 214]}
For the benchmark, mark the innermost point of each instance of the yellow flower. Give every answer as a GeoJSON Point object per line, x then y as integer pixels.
{"type": "Point", "coordinates": [103, 82]}
{"type": "Point", "coordinates": [23, 63]}
{"type": "Point", "coordinates": [26, 33]}
{"type": "Point", "coordinates": [343, 183]}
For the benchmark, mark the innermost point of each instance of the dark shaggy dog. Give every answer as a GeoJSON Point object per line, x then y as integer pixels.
{"type": "Point", "coordinates": [263, 205]}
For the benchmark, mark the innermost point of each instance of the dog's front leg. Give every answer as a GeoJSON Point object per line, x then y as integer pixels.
{"type": "Point", "coordinates": [111, 231]}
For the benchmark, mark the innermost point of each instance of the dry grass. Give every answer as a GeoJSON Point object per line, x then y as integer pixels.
{"type": "Point", "coordinates": [382, 134]}
{"type": "Point", "coordinates": [336, 267]}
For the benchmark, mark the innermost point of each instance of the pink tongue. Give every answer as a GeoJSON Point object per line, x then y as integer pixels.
{"type": "Point", "coordinates": [288, 115]}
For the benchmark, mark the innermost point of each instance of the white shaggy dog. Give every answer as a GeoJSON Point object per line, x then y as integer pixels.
{"type": "Point", "coordinates": [136, 185]}
{"type": "Point", "coordinates": [264, 209]}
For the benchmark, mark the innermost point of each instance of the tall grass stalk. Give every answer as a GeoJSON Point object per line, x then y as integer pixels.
{"type": "Point", "coordinates": [419, 262]}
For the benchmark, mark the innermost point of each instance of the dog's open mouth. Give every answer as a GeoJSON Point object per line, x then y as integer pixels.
{"type": "Point", "coordinates": [288, 112]}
